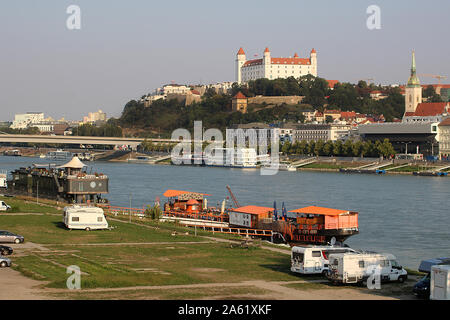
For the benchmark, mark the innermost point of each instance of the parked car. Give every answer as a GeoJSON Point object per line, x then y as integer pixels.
{"type": "Point", "coordinates": [6, 251]}
{"type": "Point", "coordinates": [4, 262]}
{"type": "Point", "coordinates": [4, 206]}
{"type": "Point", "coordinates": [6, 236]}
{"type": "Point", "coordinates": [422, 288]}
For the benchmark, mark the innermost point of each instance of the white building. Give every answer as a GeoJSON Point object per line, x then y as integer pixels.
{"type": "Point", "coordinates": [95, 116]}
{"type": "Point", "coordinates": [24, 120]}
{"type": "Point", "coordinates": [324, 132]}
{"type": "Point", "coordinates": [273, 68]}
{"type": "Point", "coordinates": [44, 127]}
{"type": "Point", "coordinates": [172, 89]}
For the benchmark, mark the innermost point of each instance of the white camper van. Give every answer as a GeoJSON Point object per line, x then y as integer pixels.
{"type": "Point", "coordinates": [357, 267]}
{"type": "Point", "coordinates": [313, 259]}
{"type": "Point", "coordinates": [84, 217]}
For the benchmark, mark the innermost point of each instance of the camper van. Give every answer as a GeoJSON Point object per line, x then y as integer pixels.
{"type": "Point", "coordinates": [313, 259]}
{"type": "Point", "coordinates": [357, 267]}
{"type": "Point", "coordinates": [84, 217]}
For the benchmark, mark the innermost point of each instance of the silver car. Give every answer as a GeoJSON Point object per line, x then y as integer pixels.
{"type": "Point", "coordinates": [6, 236]}
{"type": "Point", "coordinates": [4, 262]}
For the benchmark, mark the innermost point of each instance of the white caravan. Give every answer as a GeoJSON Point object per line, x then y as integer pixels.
{"type": "Point", "coordinates": [358, 267]}
{"type": "Point", "coordinates": [313, 259]}
{"type": "Point", "coordinates": [84, 217]}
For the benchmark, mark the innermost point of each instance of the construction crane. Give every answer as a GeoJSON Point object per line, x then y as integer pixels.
{"type": "Point", "coordinates": [236, 203]}
{"type": "Point", "coordinates": [368, 80]}
{"type": "Point", "coordinates": [439, 77]}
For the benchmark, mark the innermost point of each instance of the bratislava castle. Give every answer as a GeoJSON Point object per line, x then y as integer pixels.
{"type": "Point", "coordinates": [272, 68]}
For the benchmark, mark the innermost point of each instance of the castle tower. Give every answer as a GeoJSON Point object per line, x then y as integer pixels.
{"type": "Point", "coordinates": [267, 62]}
{"type": "Point", "coordinates": [313, 59]}
{"type": "Point", "coordinates": [413, 91]}
{"type": "Point", "coordinates": [240, 60]}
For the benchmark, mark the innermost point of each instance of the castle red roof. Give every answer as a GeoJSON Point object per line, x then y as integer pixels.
{"type": "Point", "coordinates": [294, 60]}
{"type": "Point", "coordinates": [241, 51]}
{"type": "Point", "coordinates": [290, 61]}
{"type": "Point", "coordinates": [266, 50]}
{"type": "Point", "coordinates": [252, 62]}
{"type": "Point", "coordinates": [313, 51]}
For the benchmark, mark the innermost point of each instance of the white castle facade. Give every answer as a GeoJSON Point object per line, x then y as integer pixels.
{"type": "Point", "coordinates": [272, 68]}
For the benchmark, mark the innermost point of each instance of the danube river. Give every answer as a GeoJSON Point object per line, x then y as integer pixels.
{"type": "Point", "coordinates": [407, 216]}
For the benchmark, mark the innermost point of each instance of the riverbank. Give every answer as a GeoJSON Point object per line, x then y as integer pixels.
{"type": "Point", "coordinates": [144, 259]}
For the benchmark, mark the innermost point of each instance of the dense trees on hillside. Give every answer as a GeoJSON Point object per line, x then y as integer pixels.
{"type": "Point", "coordinates": [215, 110]}
{"type": "Point", "coordinates": [107, 130]}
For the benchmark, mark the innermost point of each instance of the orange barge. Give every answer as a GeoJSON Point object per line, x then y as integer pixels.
{"type": "Point", "coordinates": [311, 224]}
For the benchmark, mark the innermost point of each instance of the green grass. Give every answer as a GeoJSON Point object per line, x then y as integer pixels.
{"type": "Point", "coordinates": [224, 293]}
{"type": "Point", "coordinates": [412, 169]}
{"type": "Point", "coordinates": [118, 266]}
{"type": "Point", "coordinates": [18, 205]}
{"type": "Point", "coordinates": [319, 165]}
{"type": "Point", "coordinates": [49, 229]}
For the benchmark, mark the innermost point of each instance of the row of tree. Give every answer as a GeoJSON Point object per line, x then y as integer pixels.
{"type": "Point", "coordinates": [109, 129]}
{"type": "Point", "coordinates": [349, 148]}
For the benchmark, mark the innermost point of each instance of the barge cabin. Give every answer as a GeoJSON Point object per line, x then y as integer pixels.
{"type": "Point", "coordinates": [69, 182]}
{"type": "Point", "coordinates": [191, 205]}
{"type": "Point", "coordinates": [323, 224]}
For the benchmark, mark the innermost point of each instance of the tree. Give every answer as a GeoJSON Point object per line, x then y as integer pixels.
{"type": "Point", "coordinates": [337, 148]}
{"type": "Point", "coordinates": [328, 148]}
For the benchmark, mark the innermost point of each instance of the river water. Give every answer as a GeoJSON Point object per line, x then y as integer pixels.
{"type": "Point", "coordinates": [405, 215]}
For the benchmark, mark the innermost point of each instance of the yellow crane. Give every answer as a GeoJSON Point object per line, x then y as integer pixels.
{"type": "Point", "coordinates": [436, 76]}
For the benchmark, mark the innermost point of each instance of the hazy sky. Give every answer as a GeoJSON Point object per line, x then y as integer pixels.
{"type": "Point", "coordinates": [128, 48]}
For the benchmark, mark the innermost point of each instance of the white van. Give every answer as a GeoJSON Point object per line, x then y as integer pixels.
{"type": "Point", "coordinates": [84, 217]}
{"type": "Point", "coordinates": [357, 267]}
{"type": "Point", "coordinates": [4, 206]}
{"type": "Point", "coordinates": [313, 259]}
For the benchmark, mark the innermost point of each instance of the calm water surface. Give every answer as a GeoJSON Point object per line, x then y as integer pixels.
{"type": "Point", "coordinates": [407, 216]}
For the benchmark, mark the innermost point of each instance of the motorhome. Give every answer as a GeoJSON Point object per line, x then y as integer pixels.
{"type": "Point", "coordinates": [353, 267]}
{"type": "Point", "coordinates": [313, 259]}
{"type": "Point", "coordinates": [84, 217]}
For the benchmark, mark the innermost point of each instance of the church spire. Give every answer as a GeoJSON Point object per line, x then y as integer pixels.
{"type": "Point", "coordinates": [413, 79]}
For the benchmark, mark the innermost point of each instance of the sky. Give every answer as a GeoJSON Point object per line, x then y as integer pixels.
{"type": "Point", "coordinates": [125, 49]}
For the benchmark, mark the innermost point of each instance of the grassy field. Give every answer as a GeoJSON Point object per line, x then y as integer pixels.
{"type": "Point", "coordinates": [29, 206]}
{"type": "Point", "coordinates": [142, 253]}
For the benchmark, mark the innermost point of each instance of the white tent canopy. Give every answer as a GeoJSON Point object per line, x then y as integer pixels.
{"type": "Point", "coordinates": [75, 163]}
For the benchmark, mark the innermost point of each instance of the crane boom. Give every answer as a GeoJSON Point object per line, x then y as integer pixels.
{"type": "Point", "coordinates": [236, 203]}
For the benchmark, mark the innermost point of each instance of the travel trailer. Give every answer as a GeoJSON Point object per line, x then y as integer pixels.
{"type": "Point", "coordinates": [314, 259]}
{"type": "Point", "coordinates": [3, 179]}
{"type": "Point", "coordinates": [84, 217]}
{"type": "Point", "coordinates": [353, 267]}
